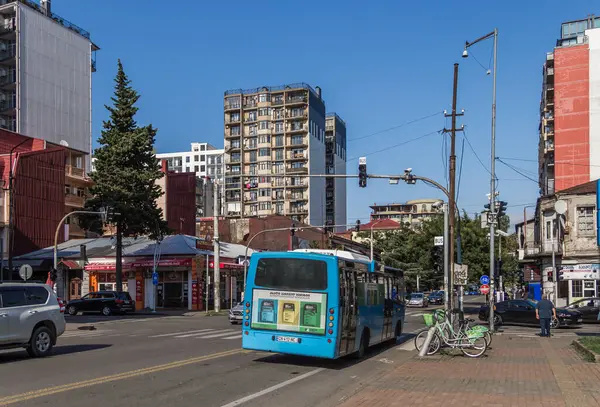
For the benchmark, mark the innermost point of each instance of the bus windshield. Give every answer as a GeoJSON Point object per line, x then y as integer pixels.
{"type": "Point", "coordinates": [291, 274]}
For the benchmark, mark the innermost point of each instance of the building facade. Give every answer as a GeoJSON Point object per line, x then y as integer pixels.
{"type": "Point", "coordinates": [203, 159]}
{"type": "Point", "coordinates": [46, 66]}
{"type": "Point", "coordinates": [271, 132]}
{"type": "Point", "coordinates": [408, 214]}
{"type": "Point", "coordinates": [335, 163]}
{"type": "Point", "coordinates": [570, 238]}
{"type": "Point", "coordinates": [48, 182]}
{"type": "Point", "coordinates": [569, 143]}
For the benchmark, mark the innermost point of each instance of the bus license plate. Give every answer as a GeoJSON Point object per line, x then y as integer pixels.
{"type": "Point", "coordinates": [288, 339]}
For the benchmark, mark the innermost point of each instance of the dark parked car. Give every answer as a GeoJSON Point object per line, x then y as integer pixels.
{"type": "Point", "coordinates": [104, 302]}
{"type": "Point", "coordinates": [436, 297]}
{"type": "Point", "coordinates": [523, 312]}
{"type": "Point", "coordinates": [589, 308]}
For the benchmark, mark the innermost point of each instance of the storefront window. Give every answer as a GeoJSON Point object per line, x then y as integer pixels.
{"type": "Point", "coordinates": [589, 289]}
{"type": "Point", "coordinates": [577, 288]}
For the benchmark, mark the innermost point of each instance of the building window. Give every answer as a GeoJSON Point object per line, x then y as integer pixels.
{"type": "Point", "coordinates": [279, 127]}
{"type": "Point", "coordinates": [202, 148]}
{"type": "Point", "coordinates": [263, 125]}
{"type": "Point", "coordinates": [202, 168]}
{"type": "Point", "coordinates": [187, 159]}
{"type": "Point", "coordinates": [264, 152]}
{"type": "Point", "coordinates": [264, 206]}
{"type": "Point", "coordinates": [589, 289]}
{"type": "Point", "coordinates": [252, 156]}
{"type": "Point", "coordinates": [263, 97]}
{"type": "Point", "coordinates": [279, 154]}
{"type": "Point", "coordinates": [195, 148]}
{"type": "Point", "coordinates": [187, 169]}
{"type": "Point", "coordinates": [585, 221]}
{"type": "Point", "coordinates": [196, 158]}
{"type": "Point", "coordinates": [264, 139]}
{"type": "Point", "coordinates": [264, 111]}
{"type": "Point", "coordinates": [264, 192]}
{"type": "Point", "coordinates": [252, 116]}
{"type": "Point", "coordinates": [264, 166]}
{"type": "Point", "coordinates": [196, 168]}
{"type": "Point", "coordinates": [577, 288]}
{"type": "Point", "coordinates": [202, 158]}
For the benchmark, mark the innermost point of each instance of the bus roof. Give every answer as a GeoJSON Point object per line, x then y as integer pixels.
{"type": "Point", "coordinates": [342, 254]}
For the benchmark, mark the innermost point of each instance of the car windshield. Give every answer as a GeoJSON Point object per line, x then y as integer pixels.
{"type": "Point", "coordinates": [416, 296]}
{"type": "Point", "coordinates": [532, 302]}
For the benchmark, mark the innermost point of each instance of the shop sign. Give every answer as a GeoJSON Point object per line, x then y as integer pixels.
{"type": "Point", "coordinates": [105, 266]}
{"type": "Point", "coordinates": [579, 272]}
{"type": "Point", "coordinates": [163, 263]}
{"type": "Point", "coordinates": [531, 273]}
{"type": "Point", "coordinates": [138, 291]}
{"type": "Point", "coordinates": [194, 292]}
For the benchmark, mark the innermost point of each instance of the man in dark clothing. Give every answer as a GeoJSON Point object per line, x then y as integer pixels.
{"type": "Point", "coordinates": [544, 311]}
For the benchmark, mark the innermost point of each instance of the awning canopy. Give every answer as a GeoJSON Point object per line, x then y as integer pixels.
{"type": "Point", "coordinates": [70, 264]}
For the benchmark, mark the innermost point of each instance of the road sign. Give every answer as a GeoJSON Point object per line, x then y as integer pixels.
{"type": "Point", "coordinates": [484, 280]}
{"type": "Point", "coordinates": [484, 289]}
{"type": "Point", "coordinates": [25, 271]}
{"type": "Point", "coordinates": [155, 278]}
{"type": "Point", "coordinates": [438, 241]}
{"type": "Point", "coordinates": [461, 274]}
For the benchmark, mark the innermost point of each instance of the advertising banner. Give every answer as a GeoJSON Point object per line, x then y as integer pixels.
{"type": "Point", "coordinates": [292, 311]}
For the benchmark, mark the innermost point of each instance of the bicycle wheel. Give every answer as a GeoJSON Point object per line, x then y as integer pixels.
{"type": "Point", "coordinates": [434, 345]}
{"type": "Point", "coordinates": [474, 348]}
{"type": "Point", "coordinates": [488, 337]}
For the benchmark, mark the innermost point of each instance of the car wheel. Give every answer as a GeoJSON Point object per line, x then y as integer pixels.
{"type": "Point", "coordinates": [497, 319]}
{"type": "Point", "coordinates": [72, 310]}
{"type": "Point", "coordinates": [41, 342]}
{"type": "Point", "coordinates": [554, 323]}
{"type": "Point", "coordinates": [106, 311]}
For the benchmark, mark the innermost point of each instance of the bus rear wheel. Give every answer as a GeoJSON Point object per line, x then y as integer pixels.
{"type": "Point", "coordinates": [364, 344]}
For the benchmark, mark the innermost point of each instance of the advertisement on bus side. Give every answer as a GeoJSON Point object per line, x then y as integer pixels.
{"type": "Point", "coordinates": [292, 311]}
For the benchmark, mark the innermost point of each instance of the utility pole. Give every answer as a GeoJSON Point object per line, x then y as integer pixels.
{"type": "Point", "coordinates": [216, 259]}
{"type": "Point", "coordinates": [119, 257]}
{"type": "Point", "coordinates": [452, 186]}
{"type": "Point", "coordinates": [446, 258]}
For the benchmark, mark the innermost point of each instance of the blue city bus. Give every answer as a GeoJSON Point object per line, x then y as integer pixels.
{"type": "Point", "coordinates": [321, 303]}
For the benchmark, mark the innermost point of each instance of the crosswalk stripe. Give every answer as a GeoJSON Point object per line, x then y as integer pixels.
{"type": "Point", "coordinates": [234, 337]}
{"type": "Point", "coordinates": [179, 333]}
{"type": "Point", "coordinates": [214, 336]}
{"type": "Point", "coordinates": [206, 331]}
{"type": "Point", "coordinates": [81, 334]}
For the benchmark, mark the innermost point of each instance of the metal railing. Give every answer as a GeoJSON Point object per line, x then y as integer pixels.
{"type": "Point", "coordinates": [55, 17]}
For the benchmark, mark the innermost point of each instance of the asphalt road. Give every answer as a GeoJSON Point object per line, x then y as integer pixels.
{"type": "Point", "coordinates": [185, 361]}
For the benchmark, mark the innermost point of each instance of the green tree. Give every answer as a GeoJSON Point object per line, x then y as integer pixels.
{"type": "Point", "coordinates": [126, 171]}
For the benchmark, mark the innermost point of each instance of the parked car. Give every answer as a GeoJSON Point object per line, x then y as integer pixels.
{"type": "Point", "coordinates": [589, 308]}
{"type": "Point", "coordinates": [523, 312]}
{"type": "Point", "coordinates": [104, 302]}
{"type": "Point", "coordinates": [236, 314]}
{"type": "Point", "coordinates": [30, 317]}
{"type": "Point", "coordinates": [437, 298]}
{"type": "Point", "coordinates": [418, 300]}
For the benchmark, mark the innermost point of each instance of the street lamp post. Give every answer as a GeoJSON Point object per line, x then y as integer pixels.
{"type": "Point", "coordinates": [465, 54]}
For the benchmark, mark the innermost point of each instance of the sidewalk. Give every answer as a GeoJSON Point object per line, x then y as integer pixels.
{"type": "Point", "coordinates": [517, 371]}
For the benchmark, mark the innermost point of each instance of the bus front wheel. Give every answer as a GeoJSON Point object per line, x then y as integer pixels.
{"type": "Point", "coordinates": [364, 344]}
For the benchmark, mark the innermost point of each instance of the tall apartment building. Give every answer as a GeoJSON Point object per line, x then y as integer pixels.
{"type": "Point", "coordinates": [569, 144]}
{"type": "Point", "coordinates": [46, 66]}
{"type": "Point", "coordinates": [204, 159]}
{"type": "Point", "coordinates": [335, 162]}
{"type": "Point", "coordinates": [408, 214]}
{"type": "Point", "coordinates": [271, 131]}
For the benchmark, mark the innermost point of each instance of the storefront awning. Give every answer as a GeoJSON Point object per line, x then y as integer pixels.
{"type": "Point", "coordinates": [105, 266]}
{"type": "Point", "coordinates": [185, 262]}
{"type": "Point", "coordinates": [71, 264]}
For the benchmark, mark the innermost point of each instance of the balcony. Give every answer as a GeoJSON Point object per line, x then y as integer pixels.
{"type": "Point", "coordinates": [329, 127]}
{"type": "Point", "coordinates": [549, 146]}
{"type": "Point", "coordinates": [8, 28]}
{"type": "Point", "coordinates": [250, 103]}
{"type": "Point", "coordinates": [233, 197]}
{"type": "Point", "coordinates": [298, 143]}
{"type": "Point", "coordinates": [297, 129]}
{"type": "Point", "coordinates": [296, 115]}
{"type": "Point", "coordinates": [8, 123]}
{"type": "Point", "coordinates": [232, 134]}
{"type": "Point", "coordinates": [232, 106]}
{"type": "Point", "coordinates": [297, 156]}
{"type": "Point", "coordinates": [276, 101]}
{"type": "Point", "coordinates": [232, 147]}
{"type": "Point", "coordinates": [8, 78]}
{"type": "Point", "coordinates": [8, 105]}
{"type": "Point", "coordinates": [292, 196]}
{"type": "Point", "coordinates": [296, 170]}
{"type": "Point", "coordinates": [292, 100]}
{"type": "Point", "coordinates": [233, 185]}
{"type": "Point", "coordinates": [232, 119]}
{"type": "Point", "coordinates": [9, 53]}
{"type": "Point", "coordinates": [299, 210]}
{"type": "Point", "coordinates": [74, 200]}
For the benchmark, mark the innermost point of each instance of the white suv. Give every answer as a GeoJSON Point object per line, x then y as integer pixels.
{"type": "Point", "coordinates": [31, 317]}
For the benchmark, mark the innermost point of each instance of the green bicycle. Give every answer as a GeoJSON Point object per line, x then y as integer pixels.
{"type": "Point", "coordinates": [470, 341]}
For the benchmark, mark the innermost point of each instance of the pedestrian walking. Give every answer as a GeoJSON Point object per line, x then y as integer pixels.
{"type": "Point", "coordinates": [544, 312]}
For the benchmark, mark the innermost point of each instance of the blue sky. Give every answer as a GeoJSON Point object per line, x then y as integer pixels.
{"type": "Point", "coordinates": [380, 64]}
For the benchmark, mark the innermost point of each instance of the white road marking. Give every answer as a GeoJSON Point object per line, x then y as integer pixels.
{"type": "Point", "coordinates": [235, 337]}
{"type": "Point", "coordinates": [273, 388]}
{"type": "Point", "coordinates": [180, 333]}
{"type": "Point", "coordinates": [215, 334]}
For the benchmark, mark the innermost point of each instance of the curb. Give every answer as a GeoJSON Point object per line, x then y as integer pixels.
{"type": "Point", "coordinates": [589, 354]}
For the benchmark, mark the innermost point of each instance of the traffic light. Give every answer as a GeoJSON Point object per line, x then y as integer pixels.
{"type": "Point", "coordinates": [550, 276]}
{"type": "Point", "coordinates": [53, 275]}
{"type": "Point", "coordinates": [357, 227]}
{"type": "Point", "coordinates": [437, 257]}
{"type": "Point", "coordinates": [561, 275]}
{"type": "Point", "coordinates": [498, 267]}
{"type": "Point", "coordinates": [362, 172]}
{"type": "Point", "coordinates": [501, 208]}
{"type": "Point", "coordinates": [487, 207]}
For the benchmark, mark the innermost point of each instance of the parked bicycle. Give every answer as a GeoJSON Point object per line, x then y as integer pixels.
{"type": "Point", "coordinates": [470, 340]}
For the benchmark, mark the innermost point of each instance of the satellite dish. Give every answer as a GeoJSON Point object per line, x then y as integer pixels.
{"type": "Point", "coordinates": [560, 207]}
{"type": "Point", "coordinates": [64, 143]}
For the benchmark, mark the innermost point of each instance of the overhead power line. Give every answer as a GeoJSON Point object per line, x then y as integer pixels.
{"type": "Point", "coordinates": [515, 169]}
{"type": "Point", "coordinates": [397, 127]}
{"type": "Point", "coordinates": [397, 145]}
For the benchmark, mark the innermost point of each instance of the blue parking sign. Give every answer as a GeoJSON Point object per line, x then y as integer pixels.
{"type": "Point", "coordinates": [484, 280]}
{"type": "Point", "coordinates": [155, 278]}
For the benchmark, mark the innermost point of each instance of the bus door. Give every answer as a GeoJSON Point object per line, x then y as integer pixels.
{"type": "Point", "coordinates": [388, 309]}
{"type": "Point", "coordinates": [348, 309]}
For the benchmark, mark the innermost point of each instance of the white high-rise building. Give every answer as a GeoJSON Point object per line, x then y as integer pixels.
{"type": "Point", "coordinates": [46, 66]}
{"type": "Point", "coordinates": [203, 159]}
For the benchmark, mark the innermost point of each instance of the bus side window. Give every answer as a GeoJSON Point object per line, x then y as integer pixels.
{"type": "Point", "coordinates": [343, 284]}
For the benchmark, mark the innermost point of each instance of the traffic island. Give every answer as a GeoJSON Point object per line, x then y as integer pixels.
{"type": "Point", "coordinates": [589, 348]}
